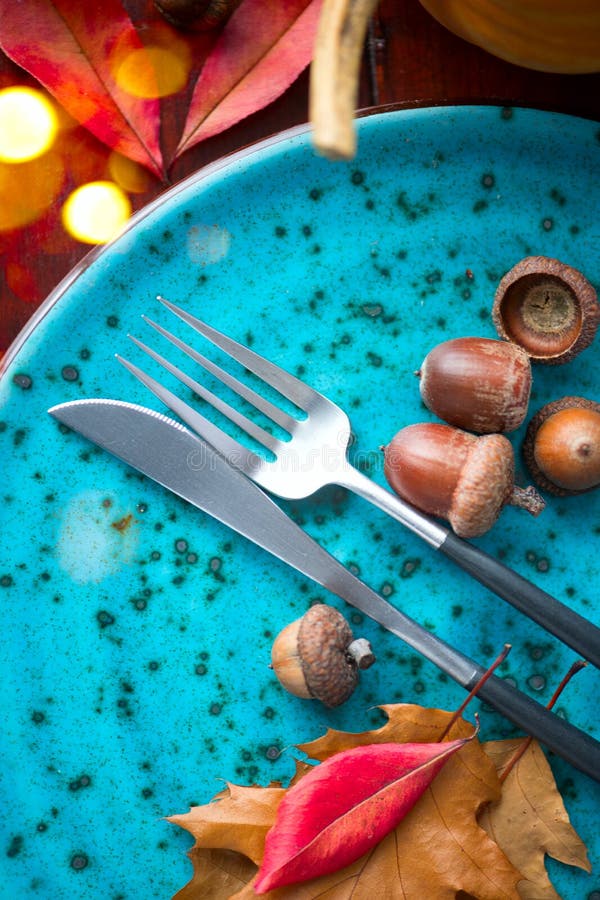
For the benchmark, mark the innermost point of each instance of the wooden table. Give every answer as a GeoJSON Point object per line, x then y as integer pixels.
{"type": "Point", "coordinates": [409, 59]}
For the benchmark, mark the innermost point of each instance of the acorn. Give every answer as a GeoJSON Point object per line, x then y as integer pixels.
{"type": "Point", "coordinates": [200, 15]}
{"type": "Point", "coordinates": [548, 308]}
{"type": "Point", "coordinates": [317, 656]}
{"type": "Point", "coordinates": [464, 478]}
{"type": "Point", "coordinates": [479, 384]}
{"type": "Point", "coordinates": [562, 446]}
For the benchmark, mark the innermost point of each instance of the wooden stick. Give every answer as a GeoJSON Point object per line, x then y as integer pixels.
{"type": "Point", "coordinates": [334, 75]}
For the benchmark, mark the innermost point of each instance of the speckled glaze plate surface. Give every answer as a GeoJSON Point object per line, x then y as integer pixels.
{"type": "Point", "coordinates": [136, 632]}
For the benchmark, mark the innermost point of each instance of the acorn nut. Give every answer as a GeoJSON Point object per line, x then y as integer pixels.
{"type": "Point", "coordinates": [200, 15]}
{"type": "Point", "coordinates": [548, 308]}
{"type": "Point", "coordinates": [461, 477]}
{"type": "Point", "coordinates": [317, 656]}
{"type": "Point", "coordinates": [478, 384]}
{"type": "Point", "coordinates": [562, 446]}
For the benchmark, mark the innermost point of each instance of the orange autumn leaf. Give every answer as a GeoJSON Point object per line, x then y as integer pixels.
{"type": "Point", "coordinates": [530, 819]}
{"type": "Point", "coordinates": [79, 52]}
{"type": "Point", "coordinates": [437, 849]}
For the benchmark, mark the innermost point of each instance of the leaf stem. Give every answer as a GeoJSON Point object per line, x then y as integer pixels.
{"type": "Point", "coordinates": [576, 667]}
{"type": "Point", "coordinates": [458, 713]}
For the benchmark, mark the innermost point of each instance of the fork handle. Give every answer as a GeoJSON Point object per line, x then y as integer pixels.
{"type": "Point", "coordinates": [563, 622]}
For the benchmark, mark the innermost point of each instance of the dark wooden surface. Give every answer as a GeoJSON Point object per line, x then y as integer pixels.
{"type": "Point", "coordinates": [409, 59]}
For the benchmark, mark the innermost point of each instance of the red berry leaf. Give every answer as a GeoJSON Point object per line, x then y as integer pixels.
{"type": "Point", "coordinates": [77, 51]}
{"type": "Point", "coordinates": [345, 806]}
{"type": "Point", "coordinates": [261, 51]}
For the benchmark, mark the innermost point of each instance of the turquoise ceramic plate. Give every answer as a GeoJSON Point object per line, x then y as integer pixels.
{"type": "Point", "coordinates": [136, 632]}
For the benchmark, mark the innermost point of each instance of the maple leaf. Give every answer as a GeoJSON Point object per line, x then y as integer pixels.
{"type": "Point", "coordinates": [437, 850]}
{"type": "Point", "coordinates": [530, 820]}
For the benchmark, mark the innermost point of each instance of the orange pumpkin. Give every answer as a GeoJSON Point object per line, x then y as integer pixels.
{"type": "Point", "coordinates": [548, 35]}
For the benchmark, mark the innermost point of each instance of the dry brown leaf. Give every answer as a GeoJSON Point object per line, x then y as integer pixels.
{"type": "Point", "coordinates": [236, 819]}
{"type": "Point", "coordinates": [438, 849]}
{"type": "Point", "coordinates": [530, 819]}
{"type": "Point", "coordinates": [217, 874]}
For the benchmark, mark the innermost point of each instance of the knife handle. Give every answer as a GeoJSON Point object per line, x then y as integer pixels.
{"type": "Point", "coordinates": [572, 629]}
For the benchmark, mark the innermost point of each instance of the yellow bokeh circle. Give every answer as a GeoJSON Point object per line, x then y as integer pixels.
{"type": "Point", "coordinates": [28, 124]}
{"type": "Point", "coordinates": [28, 189]}
{"type": "Point", "coordinates": [153, 72]}
{"type": "Point", "coordinates": [96, 212]}
{"type": "Point", "coordinates": [129, 175]}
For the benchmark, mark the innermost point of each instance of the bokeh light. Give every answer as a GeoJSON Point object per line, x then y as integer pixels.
{"type": "Point", "coordinates": [128, 174]}
{"type": "Point", "coordinates": [28, 189]}
{"type": "Point", "coordinates": [153, 72]}
{"type": "Point", "coordinates": [95, 212]}
{"type": "Point", "coordinates": [28, 124]}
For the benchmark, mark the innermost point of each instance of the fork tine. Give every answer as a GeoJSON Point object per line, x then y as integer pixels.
{"type": "Point", "coordinates": [272, 412]}
{"type": "Point", "coordinates": [287, 385]}
{"type": "Point", "coordinates": [227, 446]}
{"type": "Point", "coordinates": [255, 431]}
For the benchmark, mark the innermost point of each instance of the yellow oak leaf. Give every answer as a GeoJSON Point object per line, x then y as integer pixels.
{"type": "Point", "coordinates": [530, 820]}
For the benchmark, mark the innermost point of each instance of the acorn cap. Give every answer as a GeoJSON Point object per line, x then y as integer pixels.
{"type": "Point", "coordinates": [486, 485]}
{"type": "Point", "coordinates": [572, 448]}
{"type": "Point", "coordinates": [323, 639]}
{"type": "Point", "coordinates": [316, 656]}
{"type": "Point", "coordinates": [548, 308]}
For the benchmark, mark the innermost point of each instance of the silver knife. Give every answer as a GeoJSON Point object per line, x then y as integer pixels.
{"type": "Point", "coordinates": [169, 454]}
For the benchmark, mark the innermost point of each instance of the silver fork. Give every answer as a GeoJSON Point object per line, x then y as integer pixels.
{"type": "Point", "coordinates": [316, 455]}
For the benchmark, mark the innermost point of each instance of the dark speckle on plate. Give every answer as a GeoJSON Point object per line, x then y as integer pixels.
{"type": "Point", "coordinates": [23, 381]}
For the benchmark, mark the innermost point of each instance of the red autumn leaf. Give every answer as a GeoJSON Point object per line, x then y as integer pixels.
{"type": "Point", "coordinates": [76, 51]}
{"type": "Point", "coordinates": [345, 806]}
{"type": "Point", "coordinates": [261, 51]}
